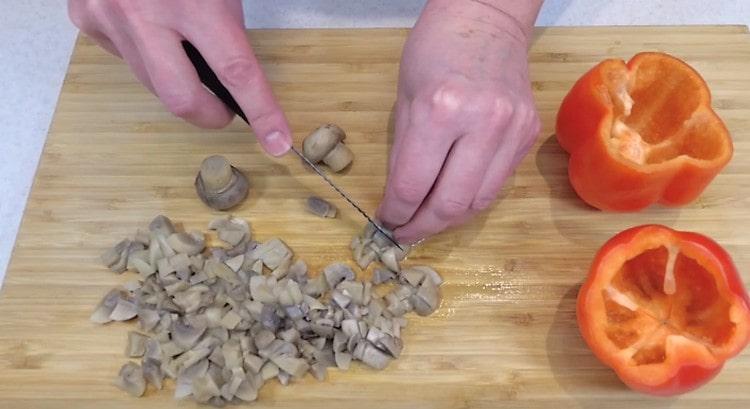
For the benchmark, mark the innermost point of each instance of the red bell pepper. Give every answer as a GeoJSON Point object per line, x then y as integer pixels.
{"type": "Point", "coordinates": [641, 133]}
{"type": "Point", "coordinates": [663, 308]}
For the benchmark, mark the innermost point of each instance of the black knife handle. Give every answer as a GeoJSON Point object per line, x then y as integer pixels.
{"type": "Point", "coordinates": [211, 81]}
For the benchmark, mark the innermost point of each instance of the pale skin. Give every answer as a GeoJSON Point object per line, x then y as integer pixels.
{"type": "Point", "coordinates": [465, 115]}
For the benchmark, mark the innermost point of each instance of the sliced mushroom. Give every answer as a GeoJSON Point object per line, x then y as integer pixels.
{"type": "Point", "coordinates": [321, 207]}
{"type": "Point", "coordinates": [152, 372]}
{"type": "Point", "coordinates": [327, 144]}
{"type": "Point", "coordinates": [269, 371]}
{"type": "Point", "coordinates": [298, 272]}
{"type": "Point", "coordinates": [124, 310]}
{"type": "Point", "coordinates": [204, 388]}
{"type": "Point", "coordinates": [297, 367]}
{"type": "Point", "coordinates": [103, 310]}
{"type": "Point", "coordinates": [337, 272]}
{"type": "Point", "coordinates": [219, 184]}
{"type": "Point", "coordinates": [229, 223]}
{"type": "Point", "coordinates": [382, 275]}
{"type": "Point", "coordinates": [413, 276]}
{"type": "Point", "coordinates": [426, 299]}
{"type": "Point", "coordinates": [246, 391]}
{"type": "Point", "coordinates": [388, 257]}
{"type": "Point", "coordinates": [319, 371]}
{"type": "Point", "coordinates": [116, 258]}
{"type": "Point", "coordinates": [232, 354]}
{"type": "Point", "coordinates": [373, 357]}
{"type": "Point", "coordinates": [130, 379]}
{"type": "Point", "coordinates": [161, 225]}
{"type": "Point", "coordinates": [215, 268]}
{"type": "Point", "coordinates": [235, 263]}
{"type": "Point", "coordinates": [136, 346]}
{"type": "Point", "coordinates": [272, 253]}
{"type": "Point", "coordinates": [343, 359]}
{"type": "Point", "coordinates": [353, 289]}
{"type": "Point", "coordinates": [190, 243]}
{"type": "Point", "coordinates": [230, 320]}
{"type": "Point", "coordinates": [366, 257]}
{"type": "Point", "coordinates": [185, 336]}
{"type": "Point", "coordinates": [152, 350]}
{"type": "Point", "coordinates": [232, 237]}
{"type": "Point", "coordinates": [430, 273]}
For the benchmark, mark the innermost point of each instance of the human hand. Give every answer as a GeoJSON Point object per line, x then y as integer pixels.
{"type": "Point", "coordinates": [465, 116]}
{"type": "Point", "coordinates": [148, 35]}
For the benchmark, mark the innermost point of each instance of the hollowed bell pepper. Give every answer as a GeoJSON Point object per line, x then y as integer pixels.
{"type": "Point", "coordinates": [641, 133]}
{"type": "Point", "coordinates": [665, 309]}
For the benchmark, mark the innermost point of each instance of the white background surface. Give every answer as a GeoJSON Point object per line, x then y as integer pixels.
{"type": "Point", "coordinates": [36, 40]}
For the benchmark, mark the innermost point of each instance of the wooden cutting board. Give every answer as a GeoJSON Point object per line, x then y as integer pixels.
{"type": "Point", "coordinates": [505, 335]}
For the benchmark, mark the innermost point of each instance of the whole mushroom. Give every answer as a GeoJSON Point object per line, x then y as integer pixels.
{"type": "Point", "coordinates": [219, 184]}
{"type": "Point", "coordinates": [326, 144]}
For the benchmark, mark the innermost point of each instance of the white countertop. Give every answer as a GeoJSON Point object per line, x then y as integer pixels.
{"type": "Point", "coordinates": [37, 40]}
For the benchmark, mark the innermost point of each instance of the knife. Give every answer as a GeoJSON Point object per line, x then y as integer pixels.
{"type": "Point", "coordinates": [211, 81]}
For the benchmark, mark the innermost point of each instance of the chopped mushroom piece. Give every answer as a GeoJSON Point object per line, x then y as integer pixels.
{"type": "Point", "coordinates": [382, 275]}
{"type": "Point", "coordinates": [116, 258]}
{"type": "Point", "coordinates": [219, 184]}
{"type": "Point", "coordinates": [337, 272]}
{"type": "Point", "coordinates": [124, 310]}
{"type": "Point", "coordinates": [101, 314]}
{"type": "Point", "coordinates": [272, 253]}
{"type": "Point", "coordinates": [136, 344]}
{"type": "Point", "coordinates": [388, 258]}
{"type": "Point", "coordinates": [374, 357]}
{"type": "Point", "coordinates": [269, 371]}
{"type": "Point", "coordinates": [319, 371]}
{"type": "Point", "coordinates": [321, 207]}
{"type": "Point", "coordinates": [184, 335]}
{"type": "Point", "coordinates": [130, 379]}
{"type": "Point", "coordinates": [162, 226]}
{"type": "Point", "coordinates": [152, 372]}
{"type": "Point", "coordinates": [297, 367]}
{"type": "Point", "coordinates": [220, 324]}
{"type": "Point", "coordinates": [190, 243]}
{"type": "Point", "coordinates": [246, 391]}
{"type": "Point", "coordinates": [426, 299]}
{"type": "Point", "coordinates": [235, 263]}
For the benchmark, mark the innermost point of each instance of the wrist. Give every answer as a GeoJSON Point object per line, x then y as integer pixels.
{"type": "Point", "coordinates": [515, 18]}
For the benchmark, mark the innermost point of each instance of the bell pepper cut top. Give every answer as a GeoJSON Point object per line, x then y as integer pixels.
{"type": "Point", "coordinates": [641, 133]}
{"type": "Point", "coordinates": [664, 309]}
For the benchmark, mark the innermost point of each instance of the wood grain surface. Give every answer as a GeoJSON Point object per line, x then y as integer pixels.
{"type": "Point", "coordinates": [505, 335]}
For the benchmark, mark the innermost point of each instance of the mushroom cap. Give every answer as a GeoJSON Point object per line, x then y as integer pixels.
{"type": "Point", "coordinates": [321, 141]}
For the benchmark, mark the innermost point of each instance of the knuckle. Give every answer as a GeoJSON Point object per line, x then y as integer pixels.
{"type": "Point", "coordinates": [238, 71]}
{"type": "Point", "coordinates": [452, 208]}
{"type": "Point", "coordinates": [408, 191]}
{"type": "Point", "coordinates": [497, 109]}
{"type": "Point", "coordinates": [447, 102]}
{"type": "Point", "coordinates": [182, 104]}
{"type": "Point", "coordinates": [482, 202]}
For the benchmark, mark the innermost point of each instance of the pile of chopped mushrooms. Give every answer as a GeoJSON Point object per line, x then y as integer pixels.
{"type": "Point", "coordinates": [223, 319]}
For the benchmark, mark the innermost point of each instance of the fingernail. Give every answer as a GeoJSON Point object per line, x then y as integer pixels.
{"type": "Point", "coordinates": [276, 143]}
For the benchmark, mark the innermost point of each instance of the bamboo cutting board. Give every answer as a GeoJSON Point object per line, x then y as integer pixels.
{"type": "Point", "coordinates": [505, 335]}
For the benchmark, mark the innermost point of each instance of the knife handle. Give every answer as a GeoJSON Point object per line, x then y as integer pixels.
{"type": "Point", "coordinates": [210, 80]}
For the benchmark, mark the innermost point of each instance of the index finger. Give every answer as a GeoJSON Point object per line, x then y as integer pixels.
{"type": "Point", "coordinates": [227, 51]}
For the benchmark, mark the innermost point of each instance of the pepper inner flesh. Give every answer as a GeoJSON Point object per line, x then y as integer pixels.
{"type": "Point", "coordinates": [657, 115]}
{"type": "Point", "coordinates": [652, 298]}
